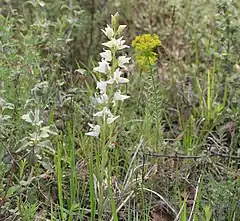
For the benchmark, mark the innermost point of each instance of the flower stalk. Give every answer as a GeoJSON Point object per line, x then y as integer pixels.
{"type": "Point", "coordinates": [108, 95]}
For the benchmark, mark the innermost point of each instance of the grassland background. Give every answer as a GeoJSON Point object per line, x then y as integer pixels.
{"type": "Point", "coordinates": [176, 150]}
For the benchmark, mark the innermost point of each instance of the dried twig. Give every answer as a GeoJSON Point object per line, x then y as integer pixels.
{"type": "Point", "coordinates": [179, 213]}
{"type": "Point", "coordinates": [195, 199]}
{"type": "Point", "coordinates": [178, 156]}
{"type": "Point", "coordinates": [124, 202]}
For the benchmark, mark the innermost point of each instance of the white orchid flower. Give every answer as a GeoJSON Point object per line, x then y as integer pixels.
{"type": "Point", "coordinates": [108, 32]}
{"type": "Point", "coordinates": [123, 60]}
{"type": "Point", "coordinates": [103, 67]}
{"type": "Point", "coordinates": [116, 43]}
{"type": "Point", "coordinates": [103, 98]}
{"type": "Point", "coordinates": [117, 78]}
{"type": "Point", "coordinates": [102, 86]}
{"type": "Point", "coordinates": [118, 96]}
{"type": "Point", "coordinates": [111, 119]}
{"type": "Point", "coordinates": [104, 112]}
{"type": "Point", "coordinates": [94, 130]}
{"type": "Point", "coordinates": [106, 55]}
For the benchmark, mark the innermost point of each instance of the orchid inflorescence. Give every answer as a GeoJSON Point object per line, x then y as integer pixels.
{"type": "Point", "coordinates": [111, 65]}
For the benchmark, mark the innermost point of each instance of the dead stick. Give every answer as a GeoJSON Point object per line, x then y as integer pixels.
{"type": "Point", "coordinates": [212, 154]}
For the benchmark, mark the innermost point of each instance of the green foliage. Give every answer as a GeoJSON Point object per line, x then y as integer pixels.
{"type": "Point", "coordinates": [27, 211]}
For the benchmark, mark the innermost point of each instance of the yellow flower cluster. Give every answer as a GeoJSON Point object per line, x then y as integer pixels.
{"type": "Point", "coordinates": [146, 42]}
{"type": "Point", "coordinates": [144, 45]}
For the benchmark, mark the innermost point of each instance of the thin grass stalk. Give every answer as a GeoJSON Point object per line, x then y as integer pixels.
{"type": "Point", "coordinates": [110, 193]}
{"type": "Point", "coordinates": [58, 167]}
{"type": "Point", "coordinates": [91, 182]}
{"type": "Point", "coordinates": [73, 176]}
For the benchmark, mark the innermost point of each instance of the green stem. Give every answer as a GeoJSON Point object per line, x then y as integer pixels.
{"type": "Point", "coordinates": [155, 101]}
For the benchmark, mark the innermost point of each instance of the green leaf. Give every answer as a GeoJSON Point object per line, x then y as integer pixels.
{"type": "Point", "coordinates": [23, 145]}
{"type": "Point", "coordinates": [12, 190]}
{"type": "Point", "coordinates": [51, 130]}
{"type": "Point", "coordinates": [29, 117]}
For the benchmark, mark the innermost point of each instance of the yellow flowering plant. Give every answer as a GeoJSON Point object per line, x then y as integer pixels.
{"type": "Point", "coordinates": [144, 46]}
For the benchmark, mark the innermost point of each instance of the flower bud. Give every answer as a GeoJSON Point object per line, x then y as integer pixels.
{"type": "Point", "coordinates": [114, 20]}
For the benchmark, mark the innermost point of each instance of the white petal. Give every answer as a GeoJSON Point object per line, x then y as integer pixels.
{"type": "Point", "coordinates": [122, 80]}
{"type": "Point", "coordinates": [110, 81]}
{"type": "Point", "coordinates": [91, 125]}
{"type": "Point", "coordinates": [116, 43]}
{"type": "Point", "coordinates": [110, 120]}
{"type": "Point", "coordinates": [103, 67]}
{"type": "Point", "coordinates": [117, 77]}
{"type": "Point", "coordinates": [110, 44]}
{"type": "Point", "coordinates": [99, 114]}
{"type": "Point", "coordinates": [102, 86]}
{"type": "Point", "coordinates": [92, 134]}
{"type": "Point", "coordinates": [94, 130]}
{"type": "Point", "coordinates": [103, 98]}
{"type": "Point", "coordinates": [107, 55]}
{"type": "Point", "coordinates": [120, 44]}
{"type": "Point", "coordinates": [123, 60]}
{"type": "Point", "coordinates": [108, 32]}
{"type": "Point", "coordinates": [104, 112]}
{"type": "Point", "coordinates": [120, 97]}
{"type": "Point", "coordinates": [121, 28]}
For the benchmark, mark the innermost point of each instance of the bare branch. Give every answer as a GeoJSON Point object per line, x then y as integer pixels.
{"type": "Point", "coordinates": [179, 156]}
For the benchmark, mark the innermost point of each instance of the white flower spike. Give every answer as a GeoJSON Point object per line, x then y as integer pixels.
{"type": "Point", "coordinates": [94, 130]}
{"type": "Point", "coordinates": [108, 66]}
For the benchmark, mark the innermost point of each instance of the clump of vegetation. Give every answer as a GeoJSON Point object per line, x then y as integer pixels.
{"type": "Point", "coordinates": [93, 129]}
